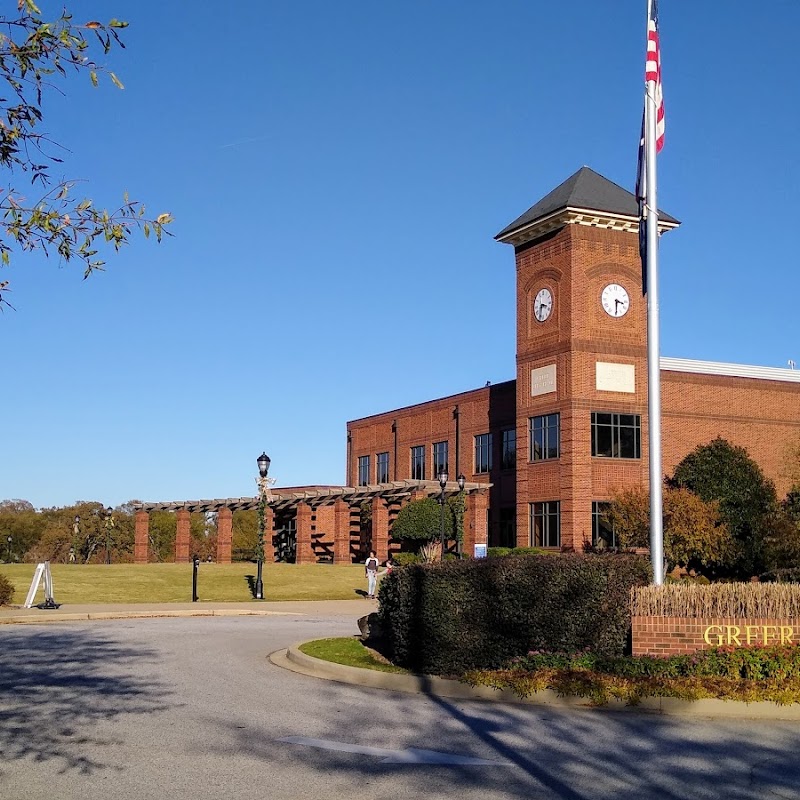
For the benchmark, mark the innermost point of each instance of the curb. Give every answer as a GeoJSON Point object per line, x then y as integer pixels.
{"type": "Point", "coordinates": [296, 661]}
{"type": "Point", "coordinates": [30, 619]}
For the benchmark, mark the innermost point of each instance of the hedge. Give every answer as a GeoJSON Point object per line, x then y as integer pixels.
{"type": "Point", "coordinates": [446, 618]}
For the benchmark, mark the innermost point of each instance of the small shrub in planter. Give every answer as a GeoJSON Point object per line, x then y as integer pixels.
{"type": "Point", "coordinates": [497, 552]}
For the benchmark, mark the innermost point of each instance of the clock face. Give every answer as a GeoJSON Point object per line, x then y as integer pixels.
{"type": "Point", "coordinates": [542, 304]}
{"type": "Point", "coordinates": [615, 300]}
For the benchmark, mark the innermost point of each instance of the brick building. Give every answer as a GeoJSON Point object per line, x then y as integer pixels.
{"type": "Point", "coordinates": [572, 426]}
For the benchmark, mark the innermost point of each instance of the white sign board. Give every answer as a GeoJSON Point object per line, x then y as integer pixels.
{"type": "Point", "coordinates": [480, 550]}
{"type": "Point", "coordinates": [615, 377]}
{"type": "Point", "coordinates": [543, 380]}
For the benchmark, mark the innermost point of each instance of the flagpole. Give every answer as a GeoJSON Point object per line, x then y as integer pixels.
{"type": "Point", "coordinates": [653, 343]}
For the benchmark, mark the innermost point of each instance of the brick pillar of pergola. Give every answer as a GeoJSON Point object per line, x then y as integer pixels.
{"type": "Point", "coordinates": [141, 542]}
{"type": "Point", "coordinates": [476, 528]}
{"type": "Point", "coordinates": [269, 535]}
{"type": "Point", "coordinates": [380, 529]}
{"type": "Point", "coordinates": [182, 537]}
{"type": "Point", "coordinates": [341, 532]}
{"type": "Point", "coordinates": [224, 535]}
{"type": "Point", "coordinates": [304, 553]}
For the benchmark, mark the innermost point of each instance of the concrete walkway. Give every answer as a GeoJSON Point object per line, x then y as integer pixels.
{"type": "Point", "coordinates": [76, 612]}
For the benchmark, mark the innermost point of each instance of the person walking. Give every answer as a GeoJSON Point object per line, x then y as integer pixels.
{"type": "Point", "coordinates": [371, 570]}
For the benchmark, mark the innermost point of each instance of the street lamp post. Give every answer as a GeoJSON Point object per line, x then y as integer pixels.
{"type": "Point", "coordinates": [109, 524]}
{"type": "Point", "coordinates": [263, 462]}
{"type": "Point", "coordinates": [443, 476]}
{"type": "Point", "coordinates": [461, 480]}
{"type": "Point", "coordinates": [9, 540]}
{"type": "Point", "coordinates": [442, 482]}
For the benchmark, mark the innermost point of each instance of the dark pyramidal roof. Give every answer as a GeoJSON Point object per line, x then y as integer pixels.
{"type": "Point", "coordinates": [585, 189]}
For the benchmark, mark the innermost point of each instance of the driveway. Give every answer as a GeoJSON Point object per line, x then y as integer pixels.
{"type": "Point", "coordinates": [191, 709]}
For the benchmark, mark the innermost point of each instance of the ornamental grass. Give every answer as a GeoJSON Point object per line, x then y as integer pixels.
{"type": "Point", "coordinates": [717, 600]}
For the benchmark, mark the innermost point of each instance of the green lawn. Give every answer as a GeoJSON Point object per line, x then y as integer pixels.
{"type": "Point", "coordinates": [172, 583]}
{"type": "Point", "coordinates": [349, 651]}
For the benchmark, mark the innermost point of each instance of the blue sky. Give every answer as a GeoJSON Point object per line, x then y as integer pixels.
{"type": "Point", "coordinates": [337, 172]}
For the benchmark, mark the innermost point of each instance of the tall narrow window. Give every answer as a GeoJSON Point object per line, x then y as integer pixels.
{"type": "Point", "coordinates": [508, 527]}
{"type": "Point", "coordinates": [546, 524]}
{"type": "Point", "coordinates": [418, 463]}
{"type": "Point", "coordinates": [483, 452]}
{"type": "Point", "coordinates": [439, 458]}
{"type": "Point", "coordinates": [363, 470]}
{"type": "Point", "coordinates": [508, 458]}
{"type": "Point", "coordinates": [382, 475]}
{"type": "Point", "coordinates": [603, 533]}
{"type": "Point", "coordinates": [616, 435]}
{"type": "Point", "coordinates": [545, 437]}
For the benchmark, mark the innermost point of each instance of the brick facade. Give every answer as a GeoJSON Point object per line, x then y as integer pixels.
{"type": "Point", "coordinates": [600, 365]}
{"type": "Point", "coordinates": [669, 636]}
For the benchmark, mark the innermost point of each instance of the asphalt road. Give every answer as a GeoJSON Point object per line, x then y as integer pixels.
{"type": "Point", "coordinates": [190, 709]}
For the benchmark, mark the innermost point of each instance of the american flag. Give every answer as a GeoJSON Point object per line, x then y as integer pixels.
{"type": "Point", "coordinates": [652, 72]}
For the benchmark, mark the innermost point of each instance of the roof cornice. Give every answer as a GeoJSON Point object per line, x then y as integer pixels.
{"type": "Point", "coordinates": [577, 216]}
{"type": "Point", "coordinates": [730, 370]}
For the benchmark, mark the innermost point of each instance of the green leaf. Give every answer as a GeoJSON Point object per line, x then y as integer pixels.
{"type": "Point", "coordinates": [116, 81]}
{"type": "Point", "coordinates": [93, 76]}
{"type": "Point", "coordinates": [117, 23]}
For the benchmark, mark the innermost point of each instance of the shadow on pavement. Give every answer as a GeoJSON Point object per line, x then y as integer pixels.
{"type": "Point", "coordinates": [574, 754]}
{"type": "Point", "coordinates": [54, 684]}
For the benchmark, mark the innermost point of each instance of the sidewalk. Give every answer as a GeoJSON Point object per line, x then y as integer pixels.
{"type": "Point", "coordinates": [72, 613]}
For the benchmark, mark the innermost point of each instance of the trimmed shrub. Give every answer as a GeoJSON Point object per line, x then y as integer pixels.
{"type": "Point", "coordinates": [789, 575]}
{"type": "Point", "coordinates": [6, 590]}
{"type": "Point", "coordinates": [404, 559]}
{"type": "Point", "coordinates": [497, 552]}
{"type": "Point", "coordinates": [529, 551]}
{"type": "Point", "coordinates": [477, 614]}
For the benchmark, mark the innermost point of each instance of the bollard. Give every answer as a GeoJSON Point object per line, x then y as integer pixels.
{"type": "Point", "coordinates": [195, 565]}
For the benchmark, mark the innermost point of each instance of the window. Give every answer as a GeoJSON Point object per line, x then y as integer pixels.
{"type": "Point", "coordinates": [439, 458]}
{"type": "Point", "coordinates": [363, 470]}
{"type": "Point", "coordinates": [483, 452]}
{"type": "Point", "coordinates": [508, 458]}
{"type": "Point", "coordinates": [616, 435]}
{"type": "Point", "coordinates": [546, 524]}
{"type": "Point", "coordinates": [545, 437]}
{"type": "Point", "coordinates": [508, 527]}
{"type": "Point", "coordinates": [383, 468]}
{"type": "Point", "coordinates": [603, 534]}
{"type": "Point", "coordinates": [418, 463]}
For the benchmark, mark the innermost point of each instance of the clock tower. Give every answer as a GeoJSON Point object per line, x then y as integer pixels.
{"type": "Point", "coordinates": [581, 379]}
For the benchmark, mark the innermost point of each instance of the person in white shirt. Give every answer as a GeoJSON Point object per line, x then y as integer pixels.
{"type": "Point", "coordinates": [371, 569]}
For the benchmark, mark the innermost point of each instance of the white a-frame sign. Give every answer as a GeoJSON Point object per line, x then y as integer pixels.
{"type": "Point", "coordinates": [42, 575]}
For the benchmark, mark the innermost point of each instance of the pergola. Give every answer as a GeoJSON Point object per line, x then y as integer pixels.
{"type": "Point", "coordinates": [325, 520]}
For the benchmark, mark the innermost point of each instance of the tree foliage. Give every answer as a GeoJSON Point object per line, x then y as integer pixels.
{"type": "Point", "coordinates": [724, 472]}
{"type": "Point", "coordinates": [35, 56]}
{"type": "Point", "coordinates": [420, 521]}
{"type": "Point", "coordinates": [694, 535]}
